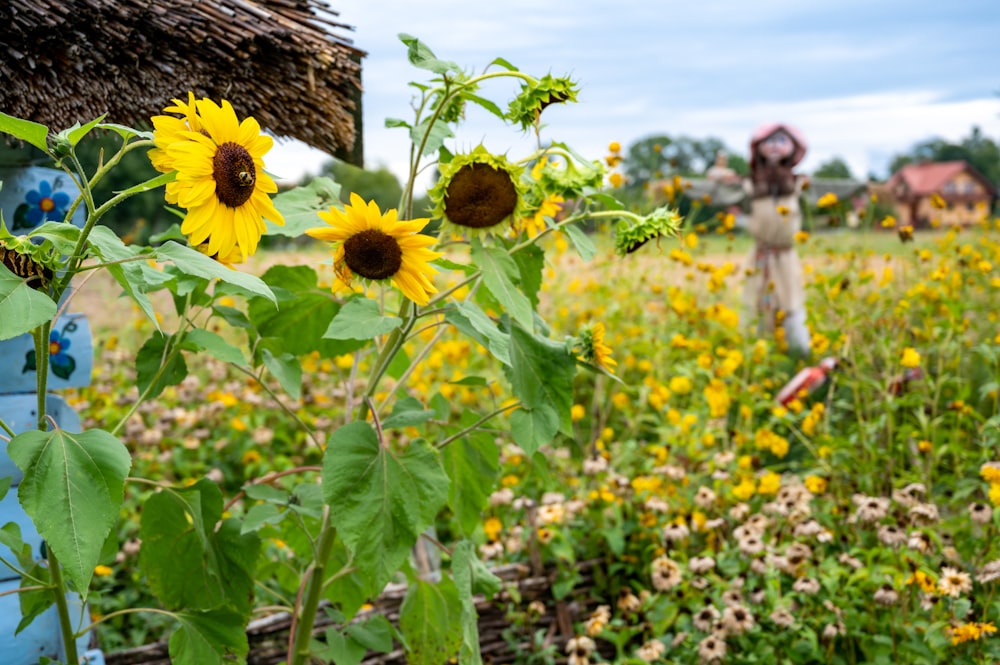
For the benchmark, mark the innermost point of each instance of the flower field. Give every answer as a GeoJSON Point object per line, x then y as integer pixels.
{"type": "Point", "coordinates": [854, 525]}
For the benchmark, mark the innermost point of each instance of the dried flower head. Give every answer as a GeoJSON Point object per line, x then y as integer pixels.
{"type": "Point", "coordinates": [705, 618]}
{"type": "Point", "coordinates": [737, 619]}
{"type": "Point", "coordinates": [666, 574]}
{"type": "Point", "coordinates": [712, 649]}
{"type": "Point", "coordinates": [478, 192]}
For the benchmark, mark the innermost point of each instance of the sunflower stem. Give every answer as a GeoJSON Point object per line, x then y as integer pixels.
{"type": "Point", "coordinates": [474, 426]}
{"type": "Point", "coordinates": [397, 337]}
{"type": "Point", "coordinates": [42, 333]}
{"type": "Point", "coordinates": [299, 653]}
{"type": "Point", "coordinates": [62, 608]}
{"type": "Point", "coordinates": [413, 365]}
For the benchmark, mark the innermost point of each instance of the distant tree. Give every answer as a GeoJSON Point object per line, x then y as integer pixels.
{"type": "Point", "coordinates": [739, 163]}
{"type": "Point", "coordinates": [660, 156]}
{"type": "Point", "coordinates": [380, 185]}
{"type": "Point", "coordinates": [833, 168]}
{"type": "Point", "coordinates": [979, 150]}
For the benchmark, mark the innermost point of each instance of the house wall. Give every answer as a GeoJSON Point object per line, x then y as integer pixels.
{"type": "Point", "coordinates": [968, 201]}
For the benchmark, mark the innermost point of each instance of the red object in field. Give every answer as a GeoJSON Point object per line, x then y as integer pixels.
{"type": "Point", "coordinates": [807, 380]}
{"type": "Point", "coordinates": [899, 384]}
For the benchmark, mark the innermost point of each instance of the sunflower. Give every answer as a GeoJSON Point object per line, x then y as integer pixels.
{"type": "Point", "coordinates": [168, 129]}
{"type": "Point", "coordinates": [478, 192]}
{"type": "Point", "coordinates": [593, 348]}
{"type": "Point", "coordinates": [549, 207]}
{"type": "Point", "coordinates": [220, 178]}
{"type": "Point", "coordinates": [377, 247]}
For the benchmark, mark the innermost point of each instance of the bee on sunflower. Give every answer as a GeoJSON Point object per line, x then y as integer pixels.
{"type": "Point", "coordinates": [220, 175]}
{"type": "Point", "coordinates": [379, 247]}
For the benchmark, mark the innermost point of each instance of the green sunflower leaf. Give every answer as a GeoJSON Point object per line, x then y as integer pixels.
{"type": "Point", "coordinates": [473, 464]}
{"type": "Point", "coordinates": [303, 314]}
{"type": "Point", "coordinates": [208, 638]}
{"type": "Point", "coordinates": [130, 274]}
{"type": "Point", "coordinates": [431, 621]}
{"type": "Point", "coordinates": [22, 308]}
{"type": "Point", "coordinates": [299, 207]}
{"type": "Point", "coordinates": [486, 104]}
{"type": "Point", "coordinates": [499, 270]}
{"type": "Point", "coordinates": [341, 649]}
{"type": "Point", "coordinates": [421, 56]}
{"type": "Point", "coordinates": [189, 562]}
{"type": "Point", "coordinates": [503, 63]}
{"type": "Point", "coordinates": [435, 134]}
{"type": "Point", "coordinates": [533, 428]}
{"type": "Point", "coordinates": [360, 318]}
{"type": "Point", "coordinates": [76, 133]}
{"type": "Point", "coordinates": [531, 263]}
{"type": "Point", "coordinates": [584, 244]}
{"type": "Point", "coordinates": [149, 185]}
{"type": "Point", "coordinates": [375, 633]}
{"type": "Point", "coordinates": [471, 576]}
{"type": "Point", "coordinates": [407, 412]}
{"type": "Point", "coordinates": [215, 346]}
{"type": "Point", "coordinates": [381, 499]}
{"type": "Point", "coordinates": [195, 263]}
{"type": "Point", "coordinates": [153, 371]}
{"type": "Point", "coordinates": [32, 132]}
{"type": "Point", "coordinates": [541, 374]}
{"type": "Point", "coordinates": [287, 369]}
{"type": "Point", "coordinates": [125, 132]}
{"type": "Point", "coordinates": [63, 236]}
{"type": "Point", "coordinates": [72, 489]}
{"type": "Point", "coordinates": [471, 320]}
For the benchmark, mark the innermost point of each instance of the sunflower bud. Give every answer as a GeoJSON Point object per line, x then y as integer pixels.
{"type": "Point", "coordinates": [660, 222]}
{"type": "Point", "coordinates": [526, 108]}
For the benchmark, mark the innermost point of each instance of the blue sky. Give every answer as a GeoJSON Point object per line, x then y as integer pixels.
{"type": "Point", "coordinates": [862, 79]}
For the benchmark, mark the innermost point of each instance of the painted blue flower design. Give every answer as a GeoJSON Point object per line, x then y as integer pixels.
{"type": "Point", "coordinates": [58, 345]}
{"type": "Point", "coordinates": [61, 363]}
{"type": "Point", "coordinates": [45, 205]}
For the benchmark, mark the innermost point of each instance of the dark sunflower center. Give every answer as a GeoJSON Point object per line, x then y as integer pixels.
{"type": "Point", "coordinates": [479, 196]}
{"type": "Point", "coordinates": [234, 173]}
{"type": "Point", "coordinates": [373, 254]}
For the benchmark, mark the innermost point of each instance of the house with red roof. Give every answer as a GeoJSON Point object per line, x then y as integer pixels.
{"type": "Point", "coordinates": [967, 195]}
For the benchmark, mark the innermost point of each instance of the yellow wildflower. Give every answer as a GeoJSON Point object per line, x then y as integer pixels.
{"type": "Point", "coordinates": [770, 483]}
{"type": "Point", "coordinates": [911, 358]}
{"type": "Point", "coordinates": [492, 527]}
{"type": "Point", "coordinates": [827, 200]}
{"type": "Point", "coordinates": [745, 489]}
{"type": "Point", "coordinates": [717, 395]}
{"type": "Point", "coordinates": [815, 484]}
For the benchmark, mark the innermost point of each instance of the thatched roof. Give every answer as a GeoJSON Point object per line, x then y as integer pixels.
{"type": "Point", "coordinates": [281, 61]}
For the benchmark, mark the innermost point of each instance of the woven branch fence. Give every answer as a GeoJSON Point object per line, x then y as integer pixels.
{"type": "Point", "coordinates": [268, 636]}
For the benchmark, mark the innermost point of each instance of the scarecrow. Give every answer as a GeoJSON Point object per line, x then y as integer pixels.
{"type": "Point", "coordinates": [775, 294]}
